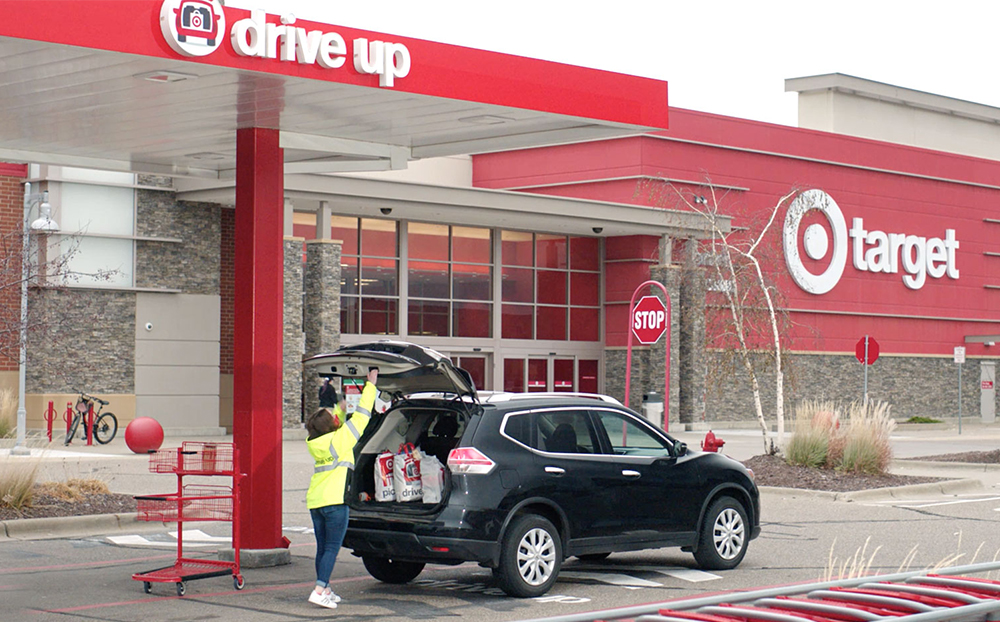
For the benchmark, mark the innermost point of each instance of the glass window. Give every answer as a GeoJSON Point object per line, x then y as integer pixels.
{"type": "Point", "coordinates": [519, 428]}
{"type": "Point", "coordinates": [584, 288]}
{"type": "Point", "coordinates": [427, 241]}
{"type": "Point", "coordinates": [378, 238]}
{"type": "Point", "coordinates": [429, 317]}
{"type": "Point", "coordinates": [562, 375]}
{"type": "Point", "coordinates": [551, 323]}
{"type": "Point", "coordinates": [472, 282]}
{"type": "Point", "coordinates": [566, 432]}
{"type": "Point", "coordinates": [628, 439]}
{"type": "Point", "coordinates": [584, 254]}
{"type": "Point", "coordinates": [517, 248]}
{"type": "Point", "coordinates": [428, 279]}
{"type": "Point", "coordinates": [584, 324]}
{"type": "Point", "coordinates": [90, 258]}
{"type": "Point", "coordinates": [476, 366]}
{"type": "Point", "coordinates": [97, 209]}
{"type": "Point", "coordinates": [518, 285]}
{"type": "Point", "coordinates": [472, 245]}
{"type": "Point", "coordinates": [379, 316]}
{"type": "Point", "coordinates": [346, 230]}
{"type": "Point", "coordinates": [516, 321]}
{"type": "Point", "coordinates": [349, 322]}
{"type": "Point", "coordinates": [552, 287]}
{"type": "Point", "coordinates": [513, 375]}
{"type": "Point", "coordinates": [348, 276]}
{"type": "Point", "coordinates": [551, 251]}
{"type": "Point", "coordinates": [379, 277]}
{"type": "Point", "coordinates": [472, 319]}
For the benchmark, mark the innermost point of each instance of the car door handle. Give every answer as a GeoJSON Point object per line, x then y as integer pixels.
{"type": "Point", "coordinates": [553, 470]}
{"type": "Point", "coordinates": [629, 473]}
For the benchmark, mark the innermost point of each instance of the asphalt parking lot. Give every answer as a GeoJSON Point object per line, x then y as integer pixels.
{"type": "Point", "coordinates": [66, 575]}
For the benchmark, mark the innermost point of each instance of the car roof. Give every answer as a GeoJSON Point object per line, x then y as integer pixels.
{"type": "Point", "coordinates": [522, 401]}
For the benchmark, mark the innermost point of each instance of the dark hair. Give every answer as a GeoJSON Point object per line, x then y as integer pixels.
{"type": "Point", "coordinates": [321, 422]}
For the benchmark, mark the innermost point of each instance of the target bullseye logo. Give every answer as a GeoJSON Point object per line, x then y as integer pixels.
{"type": "Point", "coordinates": [815, 241]}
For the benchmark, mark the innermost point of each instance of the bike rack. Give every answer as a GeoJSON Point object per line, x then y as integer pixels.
{"type": "Point", "coordinates": [932, 595]}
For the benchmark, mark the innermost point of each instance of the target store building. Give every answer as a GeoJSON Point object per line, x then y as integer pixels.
{"type": "Point", "coordinates": [505, 228]}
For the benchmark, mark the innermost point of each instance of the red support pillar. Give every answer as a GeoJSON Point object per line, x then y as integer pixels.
{"type": "Point", "coordinates": [257, 319]}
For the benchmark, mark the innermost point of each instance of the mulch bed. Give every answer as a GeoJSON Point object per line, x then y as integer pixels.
{"type": "Point", "coordinates": [979, 457]}
{"type": "Point", "coordinates": [774, 471]}
{"type": "Point", "coordinates": [46, 506]}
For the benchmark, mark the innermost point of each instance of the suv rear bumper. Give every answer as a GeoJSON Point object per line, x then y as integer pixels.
{"type": "Point", "coordinates": [412, 547]}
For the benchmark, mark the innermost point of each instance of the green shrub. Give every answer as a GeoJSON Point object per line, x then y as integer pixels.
{"type": "Point", "coordinates": [865, 441]}
{"type": "Point", "coordinates": [922, 420]}
{"type": "Point", "coordinates": [17, 481]}
{"type": "Point", "coordinates": [807, 448]}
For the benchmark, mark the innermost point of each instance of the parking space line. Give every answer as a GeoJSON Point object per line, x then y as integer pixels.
{"type": "Point", "coordinates": [611, 578]}
{"type": "Point", "coordinates": [915, 504]}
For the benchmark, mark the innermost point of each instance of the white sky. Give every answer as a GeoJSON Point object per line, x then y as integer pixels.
{"type": "Point", "coordinates": [722, 56]}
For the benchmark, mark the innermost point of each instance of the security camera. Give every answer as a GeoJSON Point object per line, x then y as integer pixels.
{"type": "Point", "coordinates": [989, 343]}
{"type": "Point", "coordinates": [149, 326]}
{"type": "Point", "coordinates": [598, 229]}
{"type": "Point", "coordinates": [386, 210]}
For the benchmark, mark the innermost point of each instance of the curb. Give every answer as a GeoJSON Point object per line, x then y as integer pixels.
{"type": "Point", "coordinates": [948, 487]}
{"type": "Point", "coordinates": [958, 466]}
{"type": "Point", "coordinates": [71, 526]}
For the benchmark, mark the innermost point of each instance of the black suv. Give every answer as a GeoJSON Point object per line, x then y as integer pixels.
{"type": "Point", "coordinates": [530, 479]}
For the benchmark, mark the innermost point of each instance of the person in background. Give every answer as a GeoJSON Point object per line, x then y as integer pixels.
{"type": "Point", "coordinates": [331, 443]}
{"type": "Point", "coordinates": [327, 394]}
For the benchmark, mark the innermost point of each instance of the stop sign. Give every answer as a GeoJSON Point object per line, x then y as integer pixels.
{"type": "Point", "coordinates": [649, 320]}
{"type": "Point", "coordinates": [859, 350]}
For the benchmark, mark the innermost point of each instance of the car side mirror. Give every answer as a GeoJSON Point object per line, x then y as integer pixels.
{"type": "Point", "coordinates": [680, 448]}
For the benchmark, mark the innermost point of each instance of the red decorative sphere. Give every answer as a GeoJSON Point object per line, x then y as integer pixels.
{"type": "Point", "coordinates": [143, 435]}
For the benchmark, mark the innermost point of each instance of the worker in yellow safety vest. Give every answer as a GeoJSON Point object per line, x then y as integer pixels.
{"type": "Point", "coordinates": [331, 442]}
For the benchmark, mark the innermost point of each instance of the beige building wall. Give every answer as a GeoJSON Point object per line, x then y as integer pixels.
{"type": "Point", "coordinates": [868, 109]}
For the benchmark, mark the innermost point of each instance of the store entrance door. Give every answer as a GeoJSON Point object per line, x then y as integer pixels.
{"type": "Point", "coordinates": [548, 374]}
{"type": "Point", "coordinates": [478, 366]}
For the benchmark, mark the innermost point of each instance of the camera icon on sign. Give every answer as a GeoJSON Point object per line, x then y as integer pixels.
{"type": "Point", "coordinates": [195, 18]}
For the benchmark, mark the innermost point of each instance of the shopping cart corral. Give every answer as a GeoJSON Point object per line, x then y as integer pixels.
{"type": "Point", "coordinates": [194, 502]}
{"type": "Point", "coordinates": [939, 595]}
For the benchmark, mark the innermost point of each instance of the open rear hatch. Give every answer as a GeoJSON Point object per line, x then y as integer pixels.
{"type": "Point", "coordinates": [432, 402]}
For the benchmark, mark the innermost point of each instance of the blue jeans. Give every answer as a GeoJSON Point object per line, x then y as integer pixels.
{"type": "Point", "coordinates": [330, 525]}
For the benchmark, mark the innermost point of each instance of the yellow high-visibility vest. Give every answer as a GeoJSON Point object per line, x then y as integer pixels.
{"type": "Point", "coordinates": [334, 454]}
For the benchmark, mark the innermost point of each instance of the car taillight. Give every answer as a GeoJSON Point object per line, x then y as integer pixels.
{"type": "Point", "coordinates": [469, 460]}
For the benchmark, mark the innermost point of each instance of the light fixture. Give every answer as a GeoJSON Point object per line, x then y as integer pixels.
{"type": "Point", "coordinates": [700, 200]}
{"type": "Point", "coordinates": [386, 211]}
{"type": "Point", "coordinates": [597, 230]}
{"type": "Point", "coordinates": [206, 155]}
{"type": "Point", "coordinates": [485, 119]}
{"type": "Point", "coordinates": [989, 343]}
{"type": "Point", "coordinates": [44, 222]}
{"type": "Point", "coordinates": [164, 76]}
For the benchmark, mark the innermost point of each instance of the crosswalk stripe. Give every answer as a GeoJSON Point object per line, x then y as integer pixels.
{"type": "Point", "coordinates": [621, 580]}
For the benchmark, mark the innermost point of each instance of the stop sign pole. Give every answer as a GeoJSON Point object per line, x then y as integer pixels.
{"type": "Point", "coordinates": [866, 351]}
{"type": "Point", "coordinates": [666, 367]}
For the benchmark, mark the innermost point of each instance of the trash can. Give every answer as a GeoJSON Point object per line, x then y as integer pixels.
{"type": "Point", "coordinates": [652, 408]}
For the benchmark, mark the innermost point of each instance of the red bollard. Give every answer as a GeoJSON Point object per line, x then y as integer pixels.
{"type": "Point", "coordinates": [90, 426]}
{"type": "Point", "coordinates": [68, 416]}
{"type": "Point", "coordinates": [50, 416]}
{"type": "Point", "coordinates": [712, 442]}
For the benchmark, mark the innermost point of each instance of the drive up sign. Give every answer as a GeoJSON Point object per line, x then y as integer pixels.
{"type": "Point", "coordinates": [649, 320]}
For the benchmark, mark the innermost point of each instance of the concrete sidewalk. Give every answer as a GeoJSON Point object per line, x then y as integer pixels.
{"type": "Point", "coordinates": [128, 473]}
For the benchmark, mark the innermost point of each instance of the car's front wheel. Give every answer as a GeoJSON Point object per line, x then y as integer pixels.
{"type": "Point", "coordinates": [530, 557]}
{"type": "Point", "coordinates": [723, 540]}
{"type": "Point", "coordinates": [391, 571]}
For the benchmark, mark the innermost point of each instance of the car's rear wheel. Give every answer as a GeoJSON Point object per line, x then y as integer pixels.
{"type": "Point", "coordinates": [391, 571]}
{"type": "Point", "coordinates": [530, 557]}
{"type": "Point", "coordinates": [723, 539]}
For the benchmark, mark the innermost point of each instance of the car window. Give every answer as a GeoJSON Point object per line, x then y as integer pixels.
{"type": "Point", "coordinates": [566, 432]}
{"type": "Point", "coordinates": [518, 427]}
{"type": "Point", "coordinates": [628, 439]}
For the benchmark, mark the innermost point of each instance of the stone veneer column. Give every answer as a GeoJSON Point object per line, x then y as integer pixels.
{"type": "Point", "coordinates": [322, 308]}
{"type": "Point", "coordinates": [291, 377]}
{"type": "Point", "coordinates": [693, 357]}
{"type": "Point", "coordinates": [671, 277]}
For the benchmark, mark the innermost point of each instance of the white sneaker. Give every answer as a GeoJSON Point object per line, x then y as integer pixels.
{"type": "Point", "coordinates": [323, 600]}
{"type": "Point", "coordinates": [333, 597]}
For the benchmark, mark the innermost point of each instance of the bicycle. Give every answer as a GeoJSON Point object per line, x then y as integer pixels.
{"type": "Point", "coordinates": [105, 425]}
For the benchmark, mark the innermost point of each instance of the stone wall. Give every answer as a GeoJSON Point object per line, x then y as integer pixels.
{"type": "Point", "coordinates": [291, 376]}
{"type": "Point", "coordinates": [914, 386]}
{"type": "Point", "coordinates": [322, 308]}
{"type": "Point", "coordinates": [85, 341]}
{"type": "Point", "coordinates": [191, 266]}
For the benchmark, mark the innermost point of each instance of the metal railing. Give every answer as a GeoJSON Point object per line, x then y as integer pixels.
{"type": "Point", "coordinates": [979, 609]}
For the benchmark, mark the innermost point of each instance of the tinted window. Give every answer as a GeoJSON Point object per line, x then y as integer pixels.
{"type": "Point", "coordinates": [628, 439]}
{"type": "Point", "coordinates": [566, 432]}
{"type": "Point", "coordinates": [518, 428]}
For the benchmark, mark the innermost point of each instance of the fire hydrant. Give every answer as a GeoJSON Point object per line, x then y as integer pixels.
{"type": "Point", "coordinates": [712, 442]}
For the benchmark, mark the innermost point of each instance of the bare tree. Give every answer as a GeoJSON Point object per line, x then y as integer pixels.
{"type": "Point", "coordinates": [751, 318]}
